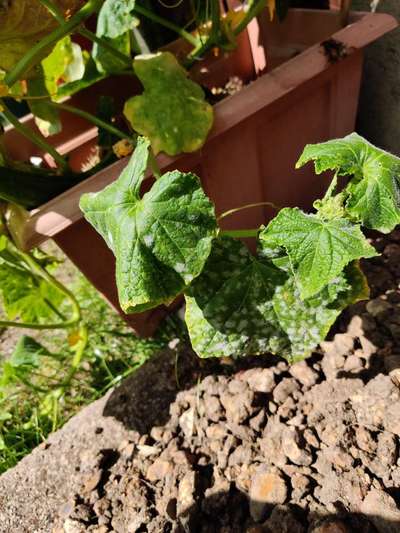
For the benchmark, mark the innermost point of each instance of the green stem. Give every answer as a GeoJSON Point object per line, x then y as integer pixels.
{"type": "Point", "coordinates": [212, 38]}
{"type": "Point", "coordinates": [166, 23]}
{"type": "Point", "coordinates": [91, 118]}
{"type": "Point", "coordinates": [32, 136]}
{"type": "Point", "coordinates": [57, 14]}
{"type": "Point", "coordinates": [248, 206]}
{"type": "Point", "coordinates": [35, 53]}
{"type": "Point", "coordinates": [254, 9]}
{"type": "Point", "coordinates": [240, 233]}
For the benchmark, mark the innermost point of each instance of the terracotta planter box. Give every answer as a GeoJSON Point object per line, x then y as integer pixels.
{"type": "Point", "coordinates": [299, 97]}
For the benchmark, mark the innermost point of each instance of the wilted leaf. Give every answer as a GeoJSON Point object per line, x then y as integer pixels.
{"type": "Point", "coordinates": [318, 249]}
{"type": "Point", "coordinates": [160, 241]}
{"type": "Point", "coordinates": [229, 308]}
{"type": "Point", "coordinates": [172, 111]}
{"type": "Point", "coordinates": [374, 190]}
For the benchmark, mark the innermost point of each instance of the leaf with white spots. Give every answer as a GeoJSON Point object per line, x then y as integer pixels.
{"type": "Point", "coordinates": [160, 241]}
{"type": "Point", "coordinates": [318, 249]}
{"type": "Point", "coordinates": [307, 322]}
{"type": "Point", "coordinates": [229, 308]}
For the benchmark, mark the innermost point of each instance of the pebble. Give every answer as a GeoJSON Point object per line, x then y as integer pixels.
{"type": "Point", "coordinates": [268, 488]}
{"type": "Point", "coordinates": [304, 374]}
{"type": "Point", "coordinates": [295, 448]}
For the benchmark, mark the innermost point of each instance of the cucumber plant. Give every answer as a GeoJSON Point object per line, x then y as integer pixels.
{"type": "Point", "coordinates": [282, 300]}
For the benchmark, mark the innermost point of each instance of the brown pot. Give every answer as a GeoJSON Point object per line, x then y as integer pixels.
{"type": "Point", "coordinates": [300, 97]}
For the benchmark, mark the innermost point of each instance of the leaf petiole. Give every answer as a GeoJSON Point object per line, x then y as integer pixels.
{"type": "Point", "coordinates": [240, 233]}
{"type": "Point", "coordinates": [248, 206]}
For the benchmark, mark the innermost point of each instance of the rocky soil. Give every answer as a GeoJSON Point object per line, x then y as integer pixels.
{"type": "Point", "coordinates": [253, 446]}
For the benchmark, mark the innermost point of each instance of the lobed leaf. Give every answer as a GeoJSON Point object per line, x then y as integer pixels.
{"type": "Point", "coordinates": [65, 64]}
{"type": "Point", "coordinates": [318, 249]}
{"type": "Point", "coordinates": [47, 118]}
{"type": "Point", "coordinates": [229, 309]}
{"type": "Point", "coordinates": [162, 240]}
{"type": "Point", "coordinates": [27, 353]}
{"type": "Point", "coordinates": [374, 191]}
{"type": "Point", "coordinates": [172, 111]}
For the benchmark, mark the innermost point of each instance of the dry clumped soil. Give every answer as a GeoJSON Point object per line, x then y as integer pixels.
{"type": "Point", "coordinates": [253, 446]}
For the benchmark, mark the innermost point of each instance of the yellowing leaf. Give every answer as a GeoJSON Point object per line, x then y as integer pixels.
{"type": "Point", "coordinates": [172, 111]}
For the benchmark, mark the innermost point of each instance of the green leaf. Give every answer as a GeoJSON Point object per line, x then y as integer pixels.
{"type": "Point", "coordinates": [374, 190]}
{"type": "Point", "coordinates": [307, 322]}
{"type": "Point", "coordinates": [115, 20]}
{"type": "Point", "coordinates": [27, 353]}
{"type": "Point", "coordinates": [229, 308]}
{"type": "Point", "coordinates": [65, 64]}
{"type": "Point", "coordinates": [172, 111]}
{"type": "Point", "coordinates": [47, 117]}
{"type": "Point", "coordinates": [160, 241]}
{"type": "Point", "coordinates": [318, 249]}
{"type": "Point", "coordinates": [23, 295]}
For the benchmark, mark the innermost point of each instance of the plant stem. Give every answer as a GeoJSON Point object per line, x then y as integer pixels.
{"type": "Point", "coordinates": [166, 23]}
{"type": "Point", "coordinates": [248, 206]}
{"type": "Point", "coordinates": [254, 8]}
{"type": "Point", "coordinates": [33, 137]}
{"type": "Point", "coordinates": [212, 38]}
{"type": "Point", "coordinates": [91, 118]}
{"type": "Point", "coordinates": [35, 53]}
{"type": "Point", "coordinates": [56, 12]}
{"type": "Point", "coordinates": [239, 233]}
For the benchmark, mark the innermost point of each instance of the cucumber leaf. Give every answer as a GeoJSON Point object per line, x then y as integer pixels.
{"type": "Point", "coordinates": [307, 322]}
{"type": "Point", "coordinates": [114, 22]}
{"type": "Point", "coordinates": [229, 309]}
{"type": "Point", "coordinates": [374, 191]}
{"type": "Point", "coordinates": [172, 112]}
{"type": "Point", "coordinates": [27, 353]}
{"type": "Point", "coordinates": [23, 296]}
{"type": "Point", "coordinates": [318, 249]}
{"type": "Point", "coordinates": [162, 240]}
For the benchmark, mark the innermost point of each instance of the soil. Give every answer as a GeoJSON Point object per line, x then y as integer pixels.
{"type": "Point", "coordinates": [256, 445]}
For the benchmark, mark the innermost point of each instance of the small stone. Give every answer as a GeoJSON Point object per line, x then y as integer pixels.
{"type": "Point", "coordinates": [284, 389]}
{"type": "Point", "coordinates": [295, 448]}
{"type": "Point", "coordinates": [73, 526]}
{"type": "Point", "coordinates": [343, 343]}
{"type": "Point", "coordinates": [101, 529]}
{"type": "Point", "coordinates": [260, 380]}
{"type": "Point", "coordinates": [387, 448]}
{"type": "Point", "coordinates": [146, 451]}
{"type": "Point", "coordinates": [186, 422]}
{"type": "Point", "coordinates": [237, 406]}
{"type": "Point", "coordinates": [216, 432]}
{"type": "Point", "coordinates": [186, 492]}
{"type": "Point", "coordinates": [268, 488]}
{"type": "Point", "coordinates": [364, 440]}
{"type": "Point", "coordinates": [91, 481]}
{"type": "Point", "coordinates": [236, 386]}
{"type": "Point", "coordinates": [213, 408]}
{"type": "Point", "coordinates": [353, 364]}
{"type": "Point", "coordinates": [300, 484]}
{"type": "Point", "coordinates": [311, 438]}
{"type": "Point", "coordinates": [258, 421]}
{"type": "Point", "coordinates": [382, 511]}
{"type": "Point", "coordinates": [303, 373]}
{"type": "Point", "coordinates": [159, 470]}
